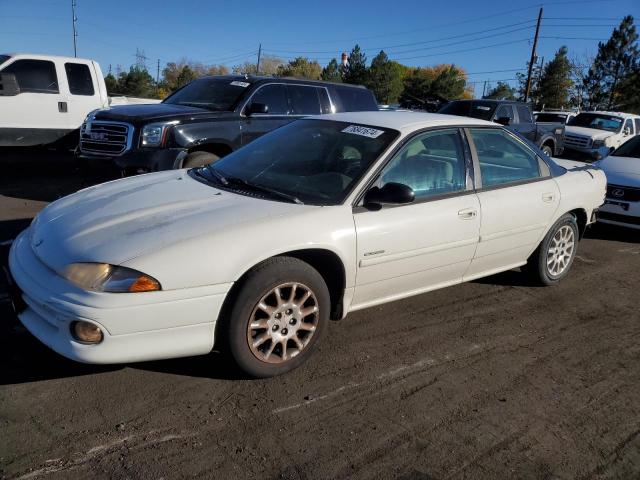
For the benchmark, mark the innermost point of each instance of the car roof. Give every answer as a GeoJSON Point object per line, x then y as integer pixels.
{"type": "Point", "coordinates": [263, 79]}
{"type": "Point", "coordinates": [403, 121]}
{"type": "Point", "coordinates": [39, 56]}
{"type": "Point", "coordinates": [615, 114]}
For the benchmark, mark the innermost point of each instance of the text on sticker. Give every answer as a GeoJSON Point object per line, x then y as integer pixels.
{"type": "Point", "coordinates": [240, 84]}
{"type": "Point", "coordinates": [364, 131]}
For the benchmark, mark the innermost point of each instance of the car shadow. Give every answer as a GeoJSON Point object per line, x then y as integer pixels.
{"type": "Point", "coordinates": [614, 233]}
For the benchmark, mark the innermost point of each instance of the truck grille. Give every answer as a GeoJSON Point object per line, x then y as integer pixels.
{"type": "Point", "coordinates": [105, 138]}
{"type": "Point", "coordinates": [622, 193]}
{"type": "Point", "coordinates": [576, 141]}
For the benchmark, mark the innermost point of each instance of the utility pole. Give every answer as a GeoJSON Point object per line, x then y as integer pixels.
{"type": "Point", "coordinates": [75, 32]}
{"type": "Point", "coordinates": [258, 64]}
{"type": "Point", "coordinates": [484, 88]}
{"type": "Point", "coordinates": [533, 57]}
{"type": "Point", "coordinates": [158, 74]}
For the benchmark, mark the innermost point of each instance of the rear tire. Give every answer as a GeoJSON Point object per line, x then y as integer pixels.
{"type": "Point", "coordinates": [553, 258]}
{"type": "Point", "coordinates": [199, 159]}
{"type": "Point", "coordinates": [277, 317]}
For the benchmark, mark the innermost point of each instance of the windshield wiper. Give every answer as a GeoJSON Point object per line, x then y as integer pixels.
{"type": "Point", "coordinates": [263, 189]}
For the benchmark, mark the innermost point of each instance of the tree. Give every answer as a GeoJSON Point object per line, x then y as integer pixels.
{"type": "Point", "coordinates": [385, 78]}
{"type": "Point", "coordinates": [615, 60]}
{"type": "Point", "coordinates": [174, 74]}
{"type": "Point", "coordinates": [331, 73]}
{"type": "Point", "coordinates": [301, 67]}
{"type": "Point", "coordinates": [185, 76]}
{"type": "Point", "coordinates": [136, 83]}
{"type": "Point", "coordinates": [111, 83]}
{"type": "Point", "coordinates": [555, 83]}
{"type": "Point", "coordinates": [268, 66]}
{"type": "Point", "coordinates": [502, 91]}
{"type": "Point", "coordinates": [425, 86]}
{"type": "Point", "coordinates": [629, 92]}
{"type": "Point", "coordinates": [356, 71]}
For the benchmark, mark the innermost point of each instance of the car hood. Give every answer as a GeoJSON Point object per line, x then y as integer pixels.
{"type": "Point", "coordinates": [154, 113]}
{"type": "Point", "coordinates": [124, 219]}
{"type": "Point", "coordinates": [592, 133]}
{"type": "Point", "coordinates": [621, 170]}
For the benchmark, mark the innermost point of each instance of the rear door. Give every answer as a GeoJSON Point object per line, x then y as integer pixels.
{"type": "Point", "coordinates": [83, 96]}
{"type": "Point", "coordinates": [518, 199]}
{"type": "Point", "coordinates": [524, 124]}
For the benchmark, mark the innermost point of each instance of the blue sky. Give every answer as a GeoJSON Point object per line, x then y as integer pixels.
{"type": "Point", "coordinates": [488, 39]}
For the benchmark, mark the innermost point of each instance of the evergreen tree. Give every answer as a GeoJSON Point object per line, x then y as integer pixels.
{"type": "Point", "coordinates": [615, 60]}
{"type": "Point", "coordinates": [629, 92]}
{"type": "Point", "coordinates": [331, 73]}
{"type": "Point", "coordinates": [555, 83]}
{"type": "Point", "coordinates": [502, 91]}
{"type": "Point", "coordinates": [385, 78]}
{"type": "Point", "coordinates": [111, 83]}
{"type": "Point", "coordinates": [356, 71]}
{"type": "Point", "coordinates": [301, 67]}
{"type": "Point", "coordinates": [185, 76]}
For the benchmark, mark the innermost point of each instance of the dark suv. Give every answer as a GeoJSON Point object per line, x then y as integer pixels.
{"type": "Point", "coordinates": [209, 118]}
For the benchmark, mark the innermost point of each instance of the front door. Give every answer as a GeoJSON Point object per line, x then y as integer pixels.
{"type": "Point", "coordinates": [409, 249]}
{"type": "Point", "coordinates": [274, 96]}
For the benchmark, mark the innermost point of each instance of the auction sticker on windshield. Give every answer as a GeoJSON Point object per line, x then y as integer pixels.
{"type": "Point", "coordinates": [237, 83]}
{"type": "Point", "coordinates": [364, 131]}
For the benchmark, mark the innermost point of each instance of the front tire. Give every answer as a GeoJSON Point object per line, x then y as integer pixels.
{"type": "Point", "coordinates": [199, 159]}
{"type": "Point", "coordinates": [547, 150]}
{"type": "Point", "coordinates": [553, 258]}
{"type": "Point", "coordinates": [278, 317]}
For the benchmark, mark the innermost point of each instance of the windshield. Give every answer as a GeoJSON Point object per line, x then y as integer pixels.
{"type": "Point", "coordinates": [597, 121]}
{"type": "Point", "coordinates": [315, 162]}
{"type": "Point", "coordinates": [479, 109]}
{"type": "Point", "coordinates": [4, 58]}
{"type": "Point", "coordinates": [219, 94]}
{"type": "Point", "coordinates": [551, 117]}
{"type": "Point", "coordinates": [630, 148]}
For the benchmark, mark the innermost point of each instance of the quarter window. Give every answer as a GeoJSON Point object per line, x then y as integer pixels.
{"type": "Point", "coordinates": [628, 124]}
{"type": "Point", "coordinates": [36, 76]}
{"type": "Point", "coordinates": [432, 163]}
{"type": "Point", "coordinates": [274, 97]}
{"type": "Point", "coordinates": [525, 114]}
{"type": "Point", "coordinates": [79, 78]}
{"type": "Point", "coordinates": [304, 100]}
{"type": "Point", "coordinates": [503, 159]}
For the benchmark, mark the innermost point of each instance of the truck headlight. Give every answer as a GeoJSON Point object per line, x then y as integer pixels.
{"type": "Point", "coordinates": [598, 143]}
{"type": "Point", "coordinates": [154, 134]}
{"type": "Point", "coordinates": [102, 277]}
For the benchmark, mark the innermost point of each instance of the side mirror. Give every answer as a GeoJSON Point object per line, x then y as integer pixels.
{"type": "Point", "coordinates": [8, 85]}
{"type": "Point", "coordinates": [626, 131]}
{"type": "Point", "coordinates": [391, 193]}
{"type": "Point", "coordinates": [503, 121]}
{"type": "Point", "coordinates": [257, 108]}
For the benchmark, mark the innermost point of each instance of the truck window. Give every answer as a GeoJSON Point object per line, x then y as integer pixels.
{"type": "Point", "coordinates": [275, 97]}
{"type": "Point", "coordinates": [525, 114]}
{"type": "Point", "coordinates": [637, 122]}
{"type": "Point", "coordinates": [355, 99]}
{"type": "Point", "coordinates": [304, 100]}
{"type": "Point", "coordinates": [35, 76]}
{"type": "Point", "coordinates": [628, 124]}
{"type": "Point", "coordinates": [504, 111]}
{"type": "Point", "coordinates": [79, 78]}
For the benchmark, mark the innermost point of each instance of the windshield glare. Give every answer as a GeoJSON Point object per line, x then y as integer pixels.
{"type": "Point", "coordinates": [597, 121]}
{"type": "Point", "coordinates": [316, 161]}
{"type": "Point", "coordinates": [219, 94]}
{"type": "Point", "coordinates": [630, 148]}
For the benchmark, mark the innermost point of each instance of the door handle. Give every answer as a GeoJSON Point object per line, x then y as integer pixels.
{"type": "Point", "coordinates": [467, 213]}
{"type": "Point", "coordinates": [548, 197]}
{"type": "Point", "coordinates": [62, 107]}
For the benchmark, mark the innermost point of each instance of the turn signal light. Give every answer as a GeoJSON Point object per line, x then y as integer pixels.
{"type": "Point", "coordinates": [144, 284]}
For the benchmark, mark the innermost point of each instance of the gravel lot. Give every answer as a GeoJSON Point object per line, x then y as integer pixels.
{"type": "Point", "coordinates": [490, 379]}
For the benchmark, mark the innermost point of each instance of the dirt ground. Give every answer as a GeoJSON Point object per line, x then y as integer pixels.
{"type": "Point", "coordinates": [490, 379]}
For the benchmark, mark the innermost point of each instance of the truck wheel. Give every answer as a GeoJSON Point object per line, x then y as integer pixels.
{"type": "Point", "coordinates": [277, 317]}
{"type": "Point", "coordinates": [553, 258]}
{"type": "Point", "coordinates": [548, 151]}
{"type": "Point", "coordinates": [199, 159]}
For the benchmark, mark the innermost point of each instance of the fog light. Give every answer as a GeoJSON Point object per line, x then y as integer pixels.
{"type": "Point", "coordinates": [86, 332]}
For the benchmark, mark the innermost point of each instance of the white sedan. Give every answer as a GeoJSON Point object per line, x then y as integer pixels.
{"type": "Point", "coordinates": [622, 167]}
{"type": "Point", "coordinates": [325, 216]}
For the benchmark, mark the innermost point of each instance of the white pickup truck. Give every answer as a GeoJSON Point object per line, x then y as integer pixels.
{"type": "Point", "coordinates": [591, 133]}
{"type": "Point", "coordinates": [44, 98]}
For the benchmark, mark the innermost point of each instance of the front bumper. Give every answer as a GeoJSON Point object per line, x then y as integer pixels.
{"type": "Point", "coordinates": [141, 160]}
{"type": "Point", "coordinates": [136, 327]}
{"type": "Point", "coordinates": [621, 213]}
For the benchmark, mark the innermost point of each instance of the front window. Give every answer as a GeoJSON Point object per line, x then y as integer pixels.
{"type": "Point", "coordinates": [476, 109]}
{"type": "Point", "coordinates": [597, 121]}
{"type": "Point", "coordinates": [315, 162]}
{"type": "Point", "coordinates": [218, 94]}
{"type": "Point", "coordinates": [35, 76]}
{"type": "Point", "coordinates": [629, 149]}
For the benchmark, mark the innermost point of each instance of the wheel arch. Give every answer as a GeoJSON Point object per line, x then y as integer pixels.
{"type": "Point", "coordinates": [216, 147]}
{"type": "Point", "coordinates": [580, 215]}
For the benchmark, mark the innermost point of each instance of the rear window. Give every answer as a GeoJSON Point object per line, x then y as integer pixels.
{"type": "Point", "coordinates": [35, 76]}
{"type": "Point", "coordinates": [79, 78]}
{"type": "Point", "coordinates": [551, 117]}
{"type": "Point", "coordinates": [350, 99]}
{"type": "Point", "coordinates": [480, 109]}
{"type": "Point", "coordinates": [304, 100]}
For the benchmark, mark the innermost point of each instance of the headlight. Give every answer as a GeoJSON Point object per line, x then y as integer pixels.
{"type": "Point", "coordinates": [153, 135]}
{"type": "Point", "coordinates": [598, 143]}
{"type": "Point", "coordinates": [102, 277]}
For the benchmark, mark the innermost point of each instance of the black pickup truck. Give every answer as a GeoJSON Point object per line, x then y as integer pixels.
{"type": "Point", "coordinates": [209, 118]}
{"type": "Point", "coordinates": [517, 116]}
